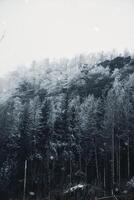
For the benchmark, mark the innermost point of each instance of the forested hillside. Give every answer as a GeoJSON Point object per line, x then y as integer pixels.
{"type": "Point", "coordinates": [67, 129]}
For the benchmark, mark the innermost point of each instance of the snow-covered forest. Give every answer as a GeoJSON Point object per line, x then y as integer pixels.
{"type": "Point", "coordinates": [67, 129]}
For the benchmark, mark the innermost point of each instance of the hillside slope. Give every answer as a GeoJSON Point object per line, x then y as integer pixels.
{"type": "Point", "coordinates": [72, 121]}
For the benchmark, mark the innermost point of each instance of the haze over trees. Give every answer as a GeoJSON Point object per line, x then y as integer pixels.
{"type": "Point", "coordinates": [66, 129]}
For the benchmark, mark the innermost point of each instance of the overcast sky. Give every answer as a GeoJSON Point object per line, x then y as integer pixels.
{"type": "Point", "coordinates": [35, 29]}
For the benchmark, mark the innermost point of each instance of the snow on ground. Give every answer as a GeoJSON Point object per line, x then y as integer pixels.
{"type": "Point", "coordinates": [71, 189]}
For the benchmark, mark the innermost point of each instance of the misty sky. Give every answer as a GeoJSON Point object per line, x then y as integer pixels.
{"type": "Point", "coordinates": [35, 29]}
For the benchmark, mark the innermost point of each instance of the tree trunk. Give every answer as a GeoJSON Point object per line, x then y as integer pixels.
{"type": "Point", "coordinates": [25, 180]}
{"type": "Point", "coordinates": [80, 157]}
{"type": "Point", "coordinates": [96, 161]}
{"type": "Point", "coordinates": [70, 163]}
{"type": "Point", "coordinates": [119, 164]}
{"type": "Point", "coordinates": [104, 179]}
{"type": "Point", "coordinates": [113, 162]}
{"type": "Point", "coordinates": [86, 165]}
{"type": "Point", "coordinates": [49, 182]}
{"type": "Point", "coordinates": [128, 157]}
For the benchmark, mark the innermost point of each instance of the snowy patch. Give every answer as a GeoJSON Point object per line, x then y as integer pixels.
{"type": "Point", "coordinates": [131, 182]}
{"type": "Point", "coordinates": [51, 157]}
{"type": "Point", "coordinates": [79, 186]}
{"type": "Point", "coordinates": [32, 193]}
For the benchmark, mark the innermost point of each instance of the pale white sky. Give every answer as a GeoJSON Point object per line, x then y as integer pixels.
{"type": "Point", "coordinates": [35, 29]}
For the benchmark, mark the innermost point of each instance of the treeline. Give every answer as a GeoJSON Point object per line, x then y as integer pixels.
{"type": "Point", "coordinates": [72, 122]}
